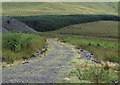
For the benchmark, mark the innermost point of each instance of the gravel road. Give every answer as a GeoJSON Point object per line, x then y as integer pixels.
{"type": "Point", "coordinates": [51, 68]}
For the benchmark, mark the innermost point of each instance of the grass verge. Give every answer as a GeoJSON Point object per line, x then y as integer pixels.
{"type": "Point", "coordinates": [18, 46]}
{"type": "Point", "coordinates": [89, 72]}
{"type": "Point", "coordinates": [103, 50]}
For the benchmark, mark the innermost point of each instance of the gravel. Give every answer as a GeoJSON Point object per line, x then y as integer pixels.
{"type": "Point", "coordinates": [48, 69]}
{"type": "Point", "coordinates": [88, 56]}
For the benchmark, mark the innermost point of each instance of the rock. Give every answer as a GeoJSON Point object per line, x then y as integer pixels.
{"type": "Point", "coordinates": [66, 79]}
{"type": "Point", "coordinates": [26, 61]}
{"type": "Point", "coordinates": [87, 56]}
{"type": "Point", "coordinates": [117, 72]}
{"type": "Point", "coordinates": [10, 24]}
{"type": "Point", "coordinates": [38, 53]}
{"type": "Point", "coordinates": [63, 41]}
{"type": "Point", "coordinates": [116, 82]}
{"type": "Point", "coordinates": [81, 50]}
{"type": "Point", "coordinates": [47, 46]}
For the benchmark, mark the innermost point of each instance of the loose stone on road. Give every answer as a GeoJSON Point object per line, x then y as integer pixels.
{"type": "Point", "coordinates": [48, 69]}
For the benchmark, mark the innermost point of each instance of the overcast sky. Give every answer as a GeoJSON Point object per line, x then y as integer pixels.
{"type": "Point", "coordinates": [60, 0]}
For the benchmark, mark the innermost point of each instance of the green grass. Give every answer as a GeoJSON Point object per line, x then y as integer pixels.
{"type": "Point", "coordinates": [103, 50]}
{"type": "Point", "coordinates": [88, 72]}
{"type": "Point", "coordinates": [58, 8]}
{"type": "Point", "coordinates": [98, 29]}
{"type": "Point", "coordinates": [100, 38]}
{"type": "Point", "coordinates": [53, 22]}
{"type": "Point", "coordinates": [103, 44]}
{"type": "Point", "coordinates": [18, 46]}
{"type": "Point", "coordinates": [51, 16]}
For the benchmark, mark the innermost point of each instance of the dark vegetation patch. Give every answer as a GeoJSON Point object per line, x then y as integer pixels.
{"type": "Point", "coordinates": [44, 23]}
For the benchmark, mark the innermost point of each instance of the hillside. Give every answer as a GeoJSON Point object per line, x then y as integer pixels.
{"type": "Point", "coordinates": [58, 8]}
{"type": "Point", "coordinates": [98, 28]}
{"type": "Point", "coordinates": [52, 22]}
{"type": "Point", "coordinates": [51, 16]}
{"type": "Point", "coordinates": [9, 24]}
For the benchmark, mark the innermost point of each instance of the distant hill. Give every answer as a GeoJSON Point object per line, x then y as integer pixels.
{"type": "Point", "coordinates": [58, 8]}
{"type": "Point", "coordinates": [9, 24]}
{"type": "Point", "coordinates": [49, 16]}
{"type": "Point", "coordinates": [53, 22]}
{"type": "Point", "coordinates": [98, 29]}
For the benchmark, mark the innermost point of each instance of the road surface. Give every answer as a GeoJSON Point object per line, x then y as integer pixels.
{"type": "Point", "coordinates": [51, 68]}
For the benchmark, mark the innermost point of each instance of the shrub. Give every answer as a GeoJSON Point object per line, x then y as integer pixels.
{"type": "Point", "coordinates": [18, 46]}
{"type": "Point", "coordinates": [89, 44]}
{"type": "Point", "coordinates": [98, 45]}
{"type": "Point", "coordinates": [16, 41]}
{"type": "Point", "coordinates": [33, 55]}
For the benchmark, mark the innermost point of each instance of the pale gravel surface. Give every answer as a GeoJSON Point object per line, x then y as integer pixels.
{"type": "Point", "coordinates": [48, 69]}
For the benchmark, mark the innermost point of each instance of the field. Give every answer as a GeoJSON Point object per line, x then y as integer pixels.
{"type": "Point", "coordinates": [33, 9]}
{"type": "Point", "coordinates": [97, 28]}
{"type": "Point", "coordinates": [51, 16]}
{"type": "Point", "coordinates": [17, 46]}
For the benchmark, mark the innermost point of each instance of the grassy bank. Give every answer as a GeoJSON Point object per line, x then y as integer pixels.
{"type": "Point", "coordinates": [89, 72]}
{"type": "Point", "coordinates": [103, 50]}
{"type": "Point", "coordinates": [18, 46]}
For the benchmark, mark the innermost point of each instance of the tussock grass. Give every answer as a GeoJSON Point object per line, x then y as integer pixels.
{"type": "Point", "coordinates": [89, 72]}
{"type": "Point", "coordinates": [18, 46]}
